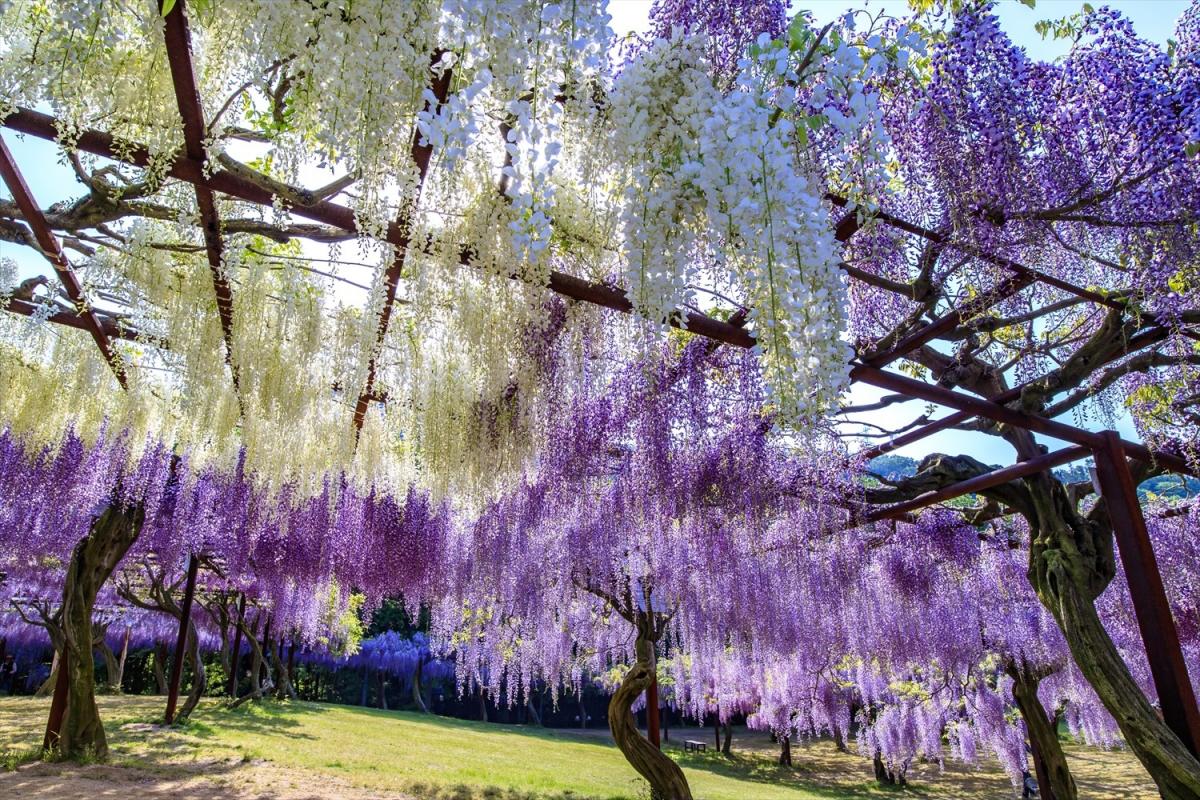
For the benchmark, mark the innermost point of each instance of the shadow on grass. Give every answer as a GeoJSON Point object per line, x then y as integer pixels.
{"type": "Point", "coordinates": [66, 779]}
{"type": "Point", "coordinates": [265, 717]}
{"type": "Point", "coordinates": [761, 769]}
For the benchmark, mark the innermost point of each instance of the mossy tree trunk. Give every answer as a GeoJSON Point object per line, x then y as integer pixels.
{"type": "Point", "coordinates": [666, 779]}
{"type": "Point", "coordinates": [1071, 558]}
{"type": "Point", "coordinates": [92, 562]}
{"type": "Point", "coordinates": [1050, 762]}
{"type": "Point", "coordinates": [1071, 563]}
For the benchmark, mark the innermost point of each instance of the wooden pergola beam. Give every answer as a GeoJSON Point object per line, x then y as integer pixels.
{"type": "Point", "coordinates": [53, 252]}
{"type": "Point", "coordinates": [421, 156]}
{"type": "Point", "coordinates": [111, 329]}
{"type": "Point", "coordinates": [44, 126]}
{"type": "Point", "coordinates": [183, 76]}
{"type": "Point", "coordinates": [979, 483]}
{"type": "Point", "coordinates": [184, 168]}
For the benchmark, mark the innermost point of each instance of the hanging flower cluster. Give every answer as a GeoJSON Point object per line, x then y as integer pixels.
{"type": "Point", "coordinates": [725, 185]}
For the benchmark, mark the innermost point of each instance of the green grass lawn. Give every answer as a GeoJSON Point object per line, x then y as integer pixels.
{"type": "Point", "coordinates": [316, 746]}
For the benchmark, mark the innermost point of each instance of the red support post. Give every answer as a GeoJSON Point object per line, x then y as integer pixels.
{"type": "Point", "coordinates": [1150, 606]}
{"type": "Point", "coordinates": [189, 593]}
{"type": "Point", "coordinates": [58, 705]}
{"type": "Point", "coordinates": [237, 646]}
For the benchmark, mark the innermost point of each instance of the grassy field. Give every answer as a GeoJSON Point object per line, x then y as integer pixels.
{"type": "Point", "coordinates": [309, 750]}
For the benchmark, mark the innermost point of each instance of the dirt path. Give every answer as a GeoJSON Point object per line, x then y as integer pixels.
{"type": "Point", "coordinates": [216, 780]}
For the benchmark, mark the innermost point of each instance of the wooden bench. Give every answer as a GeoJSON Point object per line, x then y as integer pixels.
{"type": "Point", "coordinates": [693, 745]}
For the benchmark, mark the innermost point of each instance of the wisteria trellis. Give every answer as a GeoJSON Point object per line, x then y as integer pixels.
{"type": "Point", "coordinates": [991, 161]}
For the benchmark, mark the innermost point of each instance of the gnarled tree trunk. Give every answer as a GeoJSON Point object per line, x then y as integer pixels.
{"type": "Point", "coordinates": [1071, 563]}
{"type": "Point", "coordinates": [92, 562]}
{"type": "Point", "coordinates": [160, 667]}
{"type": "Point", "coordinates": [728, 743]}
{"type": "Point", "coordinates": [283, 678]}
{"type": "Point", "coordinates": [199, 674]}
{"type": "Point", "coordinates": [418, 700]}
{"type": "Point", "coordinates": [256, 660]}
{"type": "Point", "coordinates": [666, 779]}
{"type": "Point", "coordinates": [1055, 781]}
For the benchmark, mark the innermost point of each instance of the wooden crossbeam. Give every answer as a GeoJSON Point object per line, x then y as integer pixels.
{"type": "Point", "coordinates": [183, 76]}
{"type": "Point", "coordinates": [421, 155]}
{"type": "Point", "coordinates": [184, 168]}
{"type": "Point", "coordinates": [979, 483]}
{"type": "Point", "coordinates": [53, 252]}
{"type": "Point", "coordinates": [111, 329]}
{"type": "Point", "coordinates": [43, 126]}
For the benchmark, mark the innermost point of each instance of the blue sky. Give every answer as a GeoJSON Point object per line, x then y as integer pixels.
{"type": "Point", "coordinates": [51, 181]}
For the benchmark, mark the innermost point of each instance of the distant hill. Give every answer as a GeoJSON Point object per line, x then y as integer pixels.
{"type": "Point", "coordinates": [893, 467]}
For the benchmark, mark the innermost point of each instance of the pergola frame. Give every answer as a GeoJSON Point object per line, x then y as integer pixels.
{"type": "Point", "coordinates": [1110, 452]}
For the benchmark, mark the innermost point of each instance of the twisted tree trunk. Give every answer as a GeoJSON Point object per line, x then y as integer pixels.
{"type": "Point", "coordinates": [839, 739]}
{"type": "Point", "coordinates": [199, 674]}
{"type": "Point", "coordinates": [666, 779]}
{"type": "Point", "coordinates": [418, 700]}
{"type": "Point", "coordinates": [1055, 781]}
{"type": "Point", "coordinates": [1071, 563]}
{"type": "Point", "coordinates": [785, 751]}
{"type": "Point", "coordinates": [728, 743]}
{"type": "Point", "coordinates": [256, 659]}
{"type": "Point", "coordinates": [160, 667]}
{"type": "Point", "coordinates": [92, 562]}
{"type": "Point", "coordinates": [283, 677]}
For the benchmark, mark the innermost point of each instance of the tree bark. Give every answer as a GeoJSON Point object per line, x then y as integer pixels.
{"type": "Point", "coordinates": [1071, 563]}
{"type": "Point", "coordinates": [256, 657]}
{"type": "Point", "coordinates": [123, 658]}
{"type": "Point", "coordinates": [47, 687]}
{"type": "Point", "coordinates": [728, 743]}
{"type": "Point", "coordinates": [199, 674]}
{"type": "Point", "coordinates": [1055, 781]}
{"type": "Point", "coordinates": [666, 779]}
{"type": "Point", "coordinates": [839, 739]}
{"type": "Point", "coordinates": [785, 751]}
{"type": "Point", "coordinates": [283, 678]}
{"type": "Point", "coordinates": [418, 700]}
{"type": "Point", "coordinates": [534, 717]}
{"type": "Point", "coordinates": [160, 666]}
{"type": "Point", "coordinates": [92, 562]}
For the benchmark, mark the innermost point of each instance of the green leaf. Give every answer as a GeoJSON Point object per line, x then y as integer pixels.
{"type": "Point", "coordinates": [167, 5]}
{"type": "Point", "coordinates": [1030, 3]}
